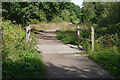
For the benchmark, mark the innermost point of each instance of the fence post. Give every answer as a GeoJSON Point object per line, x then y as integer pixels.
{"type": "Point", "coordinates": [28, 29]}
{"type": "Point", "coordinates": [78, 33]}
{"type": "Point", "coordinates": [92, 38]}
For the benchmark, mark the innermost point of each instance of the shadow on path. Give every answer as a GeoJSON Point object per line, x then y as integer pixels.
{"type": "Point", "coordinates": [74, 72]}
{"type": "Point", "coordinates": [47, 35]}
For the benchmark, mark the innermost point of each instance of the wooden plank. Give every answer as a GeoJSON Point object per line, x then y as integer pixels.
{"type": "Point", "coordinates": [78, 33]}
{"type": "Point", "coordinates": [82, 38]}
{"type": "Point", "coordinates": [28, 29]}
{"type": "Point", "coordinates": [92, 38]}
{"type": "Point", "coordinates": [84, 30]}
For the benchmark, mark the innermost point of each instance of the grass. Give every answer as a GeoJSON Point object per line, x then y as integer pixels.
{"type": "Point", "coordinates": [67, 35]}
{"type": "Point", "coordinates": [44, 26]}
{"type": "Point", "coordinates": [20, 60]}
{"type": "Point", "coordinates": [109, 59]}
{"type": "Point", "coordinates": [106, 52]}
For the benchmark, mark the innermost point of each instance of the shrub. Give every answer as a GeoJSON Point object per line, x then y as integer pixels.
{"type": "Point", "coordinates": [65, 16]}
{"type": "Point", "coordinates": [34, 21]}
{"type": "Point", "coordinates": [57, 19]}
{"type": "Point", "coordinates": [67, 35]}
{"type": "Point", "coordinates": [106, 53]}
{"type": "Point", "coordinates": [19, 59]}
{"type": "Point", "coordinates": [74, 18]}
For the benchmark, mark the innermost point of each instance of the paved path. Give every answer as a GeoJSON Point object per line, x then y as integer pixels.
{"type": "Point", "coordinates": [61, 62]}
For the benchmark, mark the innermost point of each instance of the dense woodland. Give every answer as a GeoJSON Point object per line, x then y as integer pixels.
{"type": "Point", "coordinates": [103, 16]}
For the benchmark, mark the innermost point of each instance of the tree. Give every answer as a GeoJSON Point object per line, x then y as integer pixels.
{"type": "Point", "coordinates": [101, 13]}
{"type": "Point", "coordinates": [24, 12]}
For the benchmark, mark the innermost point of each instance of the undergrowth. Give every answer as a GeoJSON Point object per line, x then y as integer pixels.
{"type": "Point", "coordinates": [67, 35]}
{"type": "Point", "coordinates": [107, 53]}
{"type": "Point", "coordinates": [20, 60]}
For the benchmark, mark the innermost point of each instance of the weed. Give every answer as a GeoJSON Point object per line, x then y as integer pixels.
{"type": "Point", "coordinates": [19, 59]}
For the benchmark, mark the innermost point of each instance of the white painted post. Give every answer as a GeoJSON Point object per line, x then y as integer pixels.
{"type": "Point", "coordinates": [78, 33]}
{"type": "Point", "coordinates": [92, 38]}
{"type": "Point", "coordinates": [28, 33]}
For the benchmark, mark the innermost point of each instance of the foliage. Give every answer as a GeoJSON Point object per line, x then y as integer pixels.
{"type": "Point", "coordinates": [65, 15]}
{"type": "Point", "coordinates": [34, 21]}
{"type": "Point", "coordinates": [23, 13]}
{"type": "Point", "coordinates": [101, 13]}
{"type": "Point", "coordinates": [67, 37]}
{"type": "Point", "coordinates": [106, 53]}
{"type": "Point", "coordinates": [104, 18]}
{"type": "Point", "coordinates": [57, 19]}
{"type": "Point", "coordinates": [74, 18]}
{"type": "Point", "coordinates": [20, 60]}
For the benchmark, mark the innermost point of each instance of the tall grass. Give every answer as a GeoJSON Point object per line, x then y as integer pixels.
{"type": "Point", "coordinates": [107, 54]}
{"type": "Point", "coordinates": [19, 59]}
{"type": "Point", "coordinates": [67, 35]}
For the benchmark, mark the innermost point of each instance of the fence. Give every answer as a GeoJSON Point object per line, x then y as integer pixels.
{"type": "Point", "coordinates": [92, 35]}
{"type": "Point", "coordinates": [28, 29]}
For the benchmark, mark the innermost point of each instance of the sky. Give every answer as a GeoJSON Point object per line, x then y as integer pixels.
{"type": "Point", "coordinates": [77, 2]}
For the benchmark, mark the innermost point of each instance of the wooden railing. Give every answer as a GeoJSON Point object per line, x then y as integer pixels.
{"type": "Point", "coordinates": [92, 35]}
{"type": "Point", "coordinates": [28, 29]}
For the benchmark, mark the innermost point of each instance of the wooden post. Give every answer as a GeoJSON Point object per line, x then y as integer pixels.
{"type": "Point", "coordinates": [28, 29]}
{"type": "Point", "coordinates": [92, 38]}
{"type": "Point", "coordinates": [78, 33]}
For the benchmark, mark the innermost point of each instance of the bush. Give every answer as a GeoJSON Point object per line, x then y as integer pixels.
{"type": "Point", "coordinates": [65, 16]}
{"type": "Point", "coordinates": [34, 21]}
{"type": "Point", "coordinates": [69, 37]}
{"type": "Point", "coordinates": [19, 59]}
{"type": "Point", "coordinates": [57, 19]}
{"type": "Point", "coordinates": [74, 18]}
{"type": "Point", "coordinates": [106, 53]}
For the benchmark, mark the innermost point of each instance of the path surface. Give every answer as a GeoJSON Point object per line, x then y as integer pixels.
{"type": "Point", "coordinates": [61, 62]}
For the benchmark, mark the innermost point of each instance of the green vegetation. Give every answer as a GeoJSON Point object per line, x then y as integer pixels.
{"type": "Point", "coordinates": [20, 60]}
{"type": "Point", "coordinates": [67, 35]}
{"type": "Point", "coordinates": [107, 53]}
{"type": "Point", "coordinates": [44, 26]}
{"type": "Point", "coordinates": [104, 18]}
{"type": "Point", "coordinates": [32, 12]}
